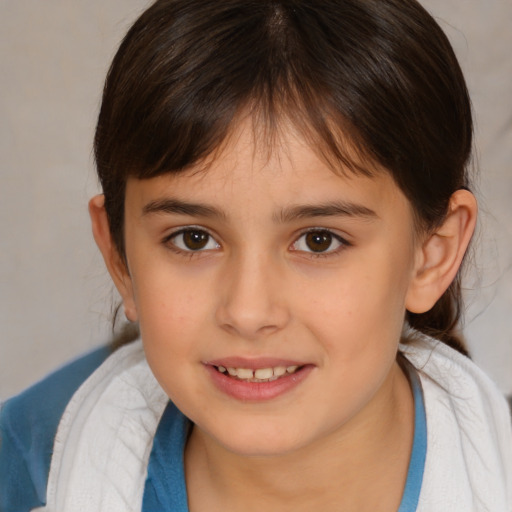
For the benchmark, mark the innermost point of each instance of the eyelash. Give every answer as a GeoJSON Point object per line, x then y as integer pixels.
{"type": "Point", "coordinates": [343, 243]}
{"type": "Point", "coordinates": [169, 243]}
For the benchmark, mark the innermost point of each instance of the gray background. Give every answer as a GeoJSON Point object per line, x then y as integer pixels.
{"type": "Point", "coordinates": [55, 297]}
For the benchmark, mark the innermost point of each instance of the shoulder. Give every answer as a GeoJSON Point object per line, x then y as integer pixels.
{"type": "Point", "coordinates": [457, 376]}
{"type": "Point", "coordinates": [105, 434]}
{"type": "Point", "coordinates": [469, 455]}
{"type": "Point", "coordinates": [28, 423]}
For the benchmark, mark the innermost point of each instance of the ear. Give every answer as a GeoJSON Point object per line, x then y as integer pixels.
{"type": "Point", "coordinates": [440, 255]}
{"type": "Point", "coordinates": [115, 263]}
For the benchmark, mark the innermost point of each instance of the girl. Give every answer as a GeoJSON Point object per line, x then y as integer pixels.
{"type": "Point", "coordinates": [285, 209]}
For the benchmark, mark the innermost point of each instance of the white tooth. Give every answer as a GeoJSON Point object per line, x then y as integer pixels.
{"type": "Point", "coordinates": [279, 371]}
{"type": "Point", "coordinates": [221, 369]}
{"type": "Point", "coordinates": [232, 372]}
{"type": "Point", "coordinates": [263, 373]}
{"type": "Point", "coordinates": [291, 369]}
{"type": "Point", "coordinates": [244, 373]}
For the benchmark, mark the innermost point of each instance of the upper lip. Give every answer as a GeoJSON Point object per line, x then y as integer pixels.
{"type": "Point", "coordinates": [253, 363]}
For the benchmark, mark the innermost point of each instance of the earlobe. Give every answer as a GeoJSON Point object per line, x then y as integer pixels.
{"type": "Point", "coordinates": [440, 254]}
{"type": "Point", "coordinates": [115, 263]}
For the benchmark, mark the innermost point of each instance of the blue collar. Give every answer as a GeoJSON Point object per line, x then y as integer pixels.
{"type": "Point", "coordinates": [414, 480]}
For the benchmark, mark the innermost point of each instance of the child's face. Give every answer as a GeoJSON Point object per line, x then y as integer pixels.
{"type": "Point", "coordinates": [269, 262]}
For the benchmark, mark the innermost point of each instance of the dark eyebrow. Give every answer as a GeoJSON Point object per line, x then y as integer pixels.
{"type": "Point", "coordinates": [288, 214]}
{"type": "Point", "coordinates": [332, 209]}
{"type": "Point", "coordinates": [170, 205]}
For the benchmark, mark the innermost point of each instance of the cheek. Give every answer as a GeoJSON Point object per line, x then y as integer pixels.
{"type": "Point", "coordinates": [171, 317]}
{"type": "Point", "coordinates": [172, 309]}
{"type": "Point", "coordinates": [361, 308]}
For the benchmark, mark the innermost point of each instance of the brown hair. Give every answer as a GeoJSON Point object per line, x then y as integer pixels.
{"type": "Point", "coordinates": [379, 74]}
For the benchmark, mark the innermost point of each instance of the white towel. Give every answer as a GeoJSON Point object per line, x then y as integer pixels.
{"type": "Point", "coordinates": [469, 437]}
{"type": "Point", "coordinates": [105, 438]}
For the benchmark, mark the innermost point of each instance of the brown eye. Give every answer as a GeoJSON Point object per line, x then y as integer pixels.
{"type": "Point", "coordinates": [193, 240]}
{"type": "Point", "coordinates": [319, 241]}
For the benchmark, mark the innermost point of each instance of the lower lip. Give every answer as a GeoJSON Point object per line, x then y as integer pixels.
{"type": "Point", "coordinates": [257, 391]}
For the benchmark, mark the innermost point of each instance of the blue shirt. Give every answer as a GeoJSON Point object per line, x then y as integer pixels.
{"type": "Point", "coordinates": [29, 422]}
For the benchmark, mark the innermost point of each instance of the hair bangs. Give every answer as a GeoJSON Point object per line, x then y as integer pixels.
{"type": "Point", "coordinates": [182, 106]}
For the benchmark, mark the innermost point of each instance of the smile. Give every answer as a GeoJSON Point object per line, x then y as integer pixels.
{"type": "Point", "coordinates": [257, 380]}
{"type": "Point", "coordinates": [260, 375]}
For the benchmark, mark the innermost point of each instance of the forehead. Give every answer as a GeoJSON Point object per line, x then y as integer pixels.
{"type": "Point", "coordinates": [249, 172]}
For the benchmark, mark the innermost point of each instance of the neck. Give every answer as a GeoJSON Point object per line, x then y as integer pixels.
{"type": "Point", "coordinates": [360, 466]}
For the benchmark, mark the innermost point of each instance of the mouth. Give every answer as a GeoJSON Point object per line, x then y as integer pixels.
{"type": "Point", "coordinates": [269, 374]}
{"type": "Point", "coordinates": [257, 380]}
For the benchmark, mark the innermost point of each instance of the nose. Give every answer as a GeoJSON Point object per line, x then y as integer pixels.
{"type": "Point", "coordinates": [252, 300]}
